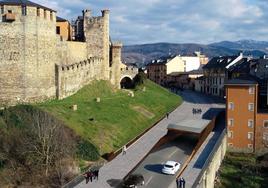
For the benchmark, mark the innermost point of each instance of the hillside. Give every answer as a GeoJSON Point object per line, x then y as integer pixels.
{"type": "Point", "coordinates": [43, 145]}
{"type": "Point", "coordinates": [118, 118]}
{"type": "Point", "coordinates": [143, 54]}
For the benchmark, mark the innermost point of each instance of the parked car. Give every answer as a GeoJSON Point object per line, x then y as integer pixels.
{"type": "Point", "coordinates": [171, 167]}
{"type": "Point", "coordinates": [133, 181]}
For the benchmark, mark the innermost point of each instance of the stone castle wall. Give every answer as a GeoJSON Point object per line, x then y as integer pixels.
{"type": "Point", "coordinates": [27, 53]}
{"type": "Point", "coordinates": [35, 64]}
{"type": "Point", "coordinates": [69, 52]}
{"type": "Point", "coordinates": [71, 78]}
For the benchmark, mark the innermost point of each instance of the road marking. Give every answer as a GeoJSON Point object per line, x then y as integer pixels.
{"type": "Point", "coordinates": [149, 180]}
{"type": "Point", "coordinates": [172, 153]}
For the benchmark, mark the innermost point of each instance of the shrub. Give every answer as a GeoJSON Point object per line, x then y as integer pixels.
{"type": "Point", "coordinates": [139, 79]}
{"type": "Point", "coordinates": [87, 151]}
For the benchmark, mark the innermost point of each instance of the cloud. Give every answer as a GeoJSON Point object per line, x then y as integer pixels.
{"type": "Point", "coordinates": [145, 21]}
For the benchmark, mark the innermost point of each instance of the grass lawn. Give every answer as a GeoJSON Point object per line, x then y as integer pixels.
{"type": "Point", "coordinates": [115, 120]}
{"type": "Point", "coordinates": [243, 170]}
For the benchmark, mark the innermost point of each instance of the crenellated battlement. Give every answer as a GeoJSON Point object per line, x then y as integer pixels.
{"type": "Point", "coordinates": [81, 64]}
{"type": "Point", "coordinates": [95, 20]}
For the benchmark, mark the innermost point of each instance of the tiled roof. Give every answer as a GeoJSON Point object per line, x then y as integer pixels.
{"type": "Point", "coordinates": [162, 60]}
{"type": "Point", "coordinates": [59, 19]}
{"type": "Point", "coordinates": [242, 81]}
{"type": "Point", "coordinates": [25, 3]}
{"type": "Point", "coordinates": [220, 62]}
{"type": "Point", "coordinates": [241, 66]}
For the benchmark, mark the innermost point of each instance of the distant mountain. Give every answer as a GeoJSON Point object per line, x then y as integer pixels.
{"type": "Point", "coordinates": [243, 45]}
{"type": "Point", "coordinates": [145, 53]}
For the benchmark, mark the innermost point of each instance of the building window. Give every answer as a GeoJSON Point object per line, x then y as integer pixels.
{"type": "Point", "coordinates": [230, 134]}
{"type": "Point", "coordinates": [251, 107]}
{"type": "Point", "coordinates": [251, 90]}
{"type": "Point", "coordinates": [250, 146]}
{"type": "Point", "coordinates": [231, 122]}
{"type": "Point", "coordinates": [231, 106]}
{"type": "Point", "coordinates": [250, 123]}
{"type": "Point", "coordinates": [38, 11]}
{"type": "Point", "coordinates": [2, 9]}
{"type": "Point", "coordinates": [24, 10]}
{"type": "Point", "coordinates": [58, 30]}
{"type": "Point", "coordinates": [265, 123]}
{"type": "Point", "coordinates": [9, 11]}
{"type": "Point", "coordinates": [250, 135]}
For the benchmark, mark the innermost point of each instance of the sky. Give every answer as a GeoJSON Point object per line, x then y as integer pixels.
{"type": "Point", "coordinates": [174, 21]}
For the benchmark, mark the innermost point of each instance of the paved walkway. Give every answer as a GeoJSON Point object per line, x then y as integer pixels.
{"type": "Point", "coordinates": [118, 168]}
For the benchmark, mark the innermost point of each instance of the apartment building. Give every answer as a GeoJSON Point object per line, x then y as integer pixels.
{"type": "Point", "coordinates": [176, 68]}
{"type": "Point", "coordinates": [216, 73]}
{"type": "Point", "coordinates": [247, 122]}
{"type": "Point", "coordinates": [158, 70]}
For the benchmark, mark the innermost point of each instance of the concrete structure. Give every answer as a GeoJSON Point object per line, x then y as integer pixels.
{"type": "Point", "coordinates": [64, 28]}
{"type": "Point", "coordinates": [247, 123]}
{"type": "Point", "coordinates": [37, 64]}
{"type": "Point", "coordinates": [210, 170]}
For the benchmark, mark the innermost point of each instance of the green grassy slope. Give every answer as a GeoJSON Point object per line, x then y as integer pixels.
{"type": "Point", "coordinates": [115, 120]}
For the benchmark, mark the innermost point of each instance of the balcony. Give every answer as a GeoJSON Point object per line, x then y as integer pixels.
{"type": "Point", "coordinates": [9, 17]}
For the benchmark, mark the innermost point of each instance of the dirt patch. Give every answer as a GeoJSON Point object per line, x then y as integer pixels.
{"type": "Point", "coordinates": [143, 111]}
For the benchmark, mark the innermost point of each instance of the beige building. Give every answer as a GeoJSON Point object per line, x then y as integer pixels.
{"type": "Point", "coordinates": [158, 70]}
{"type": "Point", "coordinates": [64, 28]}
{"type": "Point", "coordinates": [176, 70]}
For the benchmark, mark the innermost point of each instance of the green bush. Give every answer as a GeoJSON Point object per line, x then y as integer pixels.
{"type": "Point", "coordinates": [139, 79]}
{"type": "Point", "coordinates": [87, 151]}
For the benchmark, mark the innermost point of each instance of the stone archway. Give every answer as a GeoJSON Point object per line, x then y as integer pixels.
{"type": "Point", "coordinates": [126, 83]}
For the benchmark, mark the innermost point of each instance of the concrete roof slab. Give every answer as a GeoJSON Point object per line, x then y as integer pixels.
{"type": "Point", "coordinates": [193, 125]}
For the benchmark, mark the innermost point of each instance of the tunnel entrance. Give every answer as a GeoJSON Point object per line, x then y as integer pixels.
{"type": "Point", "coordinates": [126, 83]}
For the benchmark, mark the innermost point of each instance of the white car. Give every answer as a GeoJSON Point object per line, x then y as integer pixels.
{"type": "Point", "coordinates": [171, 167]}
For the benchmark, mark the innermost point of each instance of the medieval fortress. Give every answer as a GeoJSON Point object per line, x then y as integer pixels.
{"type": "Point", "coordinates": [36, 64]}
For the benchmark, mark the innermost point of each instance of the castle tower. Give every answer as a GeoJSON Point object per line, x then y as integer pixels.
{"type": "Point", "coordinates": [96, 31]}
{"type": "Point", "coordinates": [27, 52]}
{"type": "Point", "coordinates": [115, 72]}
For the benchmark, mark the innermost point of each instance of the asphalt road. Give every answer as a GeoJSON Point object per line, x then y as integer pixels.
{"type": "Point", "coordinates": [178, 150]}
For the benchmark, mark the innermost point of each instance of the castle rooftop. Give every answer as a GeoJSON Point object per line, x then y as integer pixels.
{"type": "Point", "coordinates": [24, 3]}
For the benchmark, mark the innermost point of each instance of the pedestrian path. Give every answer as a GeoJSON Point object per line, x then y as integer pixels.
{"type": "Point", "coordinates": [118, 168]}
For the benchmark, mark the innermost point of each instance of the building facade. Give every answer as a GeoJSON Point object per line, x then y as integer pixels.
{"type": "Point", "coordinates": [216, 73]}
{"type": "Point", "coordinates": [176, 69]}
{"type": "Point", "coordinates": [247, 123]}
{"type": "Point", "coordinates": [64, 28]}
{"type": "Point", "coordinates": [36, 64]}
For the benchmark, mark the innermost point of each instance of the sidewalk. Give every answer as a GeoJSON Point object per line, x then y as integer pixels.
{"type": "Point", "coordinates": [117, 169]}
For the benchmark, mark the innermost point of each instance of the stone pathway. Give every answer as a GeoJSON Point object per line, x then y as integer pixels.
{"type": "Point", "coordinates": [118, 168]}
